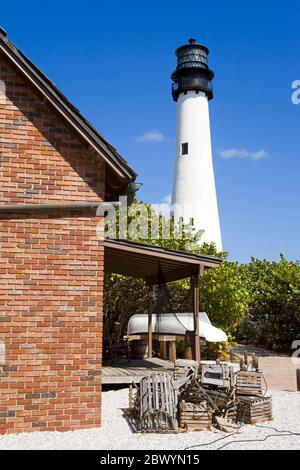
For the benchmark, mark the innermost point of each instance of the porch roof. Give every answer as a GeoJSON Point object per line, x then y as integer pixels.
{"type": "Point", "coordinates": [149, 262]}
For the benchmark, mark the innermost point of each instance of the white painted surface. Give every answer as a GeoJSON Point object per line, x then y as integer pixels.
{"type": "Point", "coordinates": [177, 325]}
{"type": "Point", "coordinates": [194, 192]}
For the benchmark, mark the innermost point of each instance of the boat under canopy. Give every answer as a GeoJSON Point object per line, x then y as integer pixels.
{"type": "Point", "coordinates": [176, 325]}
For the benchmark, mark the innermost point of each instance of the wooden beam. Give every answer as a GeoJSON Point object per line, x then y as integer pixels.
{"type": "Point", "coordinates": [195, 284]}
{"type": "Point", "coordinates": [150, 324]}
{"type": "Point", "coordinates": [198, 273]}
{"type": "Point", "coordinates": [163, 349]}
{"type": "Point", "coordinates": [170, 276]}
{"type": "Point", "coordinates": [172, 351]}
{"type": "Point", "coordinates": [150, 340]}
{"type": "Point", "coordinates": [202, 269]}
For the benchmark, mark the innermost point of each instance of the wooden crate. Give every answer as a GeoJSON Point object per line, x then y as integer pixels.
{"type": "Point", "coordinates": [195, 416]}
{"type": "Point", "coordinates": [225, 405]}
{"type": "Point", "coordinates": [183, 367]}
{"type": "Point", "coordinates": [194, 393]}
{"type": "Point", "coordinates": [133, 398]}
{"type": "Point", "coordinates": [252, 410]}
{"type": "Point", "coordinates": [249, 383]}
{"type": "Point", "coordinates": [157, 404]}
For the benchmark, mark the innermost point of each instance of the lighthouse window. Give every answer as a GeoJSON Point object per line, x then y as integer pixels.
{"type": "Point", "coordinates": [185, 149]}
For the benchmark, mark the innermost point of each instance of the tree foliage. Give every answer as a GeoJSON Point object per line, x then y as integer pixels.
{"type": "Point", "coordinates": [143, 224]}
{"type": "Point", "coordinates": [259, 301]}
{"type": "Point", "coordinates": [224, 296]}
{"type": "Point", "coordinates": [273, 318]}
{"type": "Point", "coordinates": [126, 296]}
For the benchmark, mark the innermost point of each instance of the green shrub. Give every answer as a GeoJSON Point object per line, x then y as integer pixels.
{"type": "Point", "coordinates": [274, 310]}
{"type": "Point", "coordinates": [258, 302]}
{"type": "Point", "coordinates": [225, 296]}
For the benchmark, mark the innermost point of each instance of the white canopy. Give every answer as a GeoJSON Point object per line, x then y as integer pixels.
{"type": "Point", "coordinates": [176, 325]}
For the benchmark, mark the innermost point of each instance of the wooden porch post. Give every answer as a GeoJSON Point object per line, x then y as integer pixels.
{"type": "Point", "coordinates": [195, 283]}
{"type": "Point", "coordinates": [172, 351]}
{"type": "Point", "coordinates": [150, 311]}
{"type": "Point", "coordinates": [150, 335]}
{"type": "Point", "coordinates": [163, 349]}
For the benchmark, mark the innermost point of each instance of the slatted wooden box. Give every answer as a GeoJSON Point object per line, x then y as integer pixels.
{"type": "Point", "coordinates": [157, 406]}
{"type": "Point", "coordinates": [183, 367]}
{"type": "Point", "coordinates": [252, 410]}
{"type": "Point", "coordinates": [194, 393]}
{"type": "Point", "coordinates": [249, 383]}
{"type": "Point", "coordinates": [223, 403]}
{"type": "Point", "coordinates": [195, 416]}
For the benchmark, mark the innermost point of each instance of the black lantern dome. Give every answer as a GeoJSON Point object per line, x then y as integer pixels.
{"type": "Point", "coordinates": [192, 72]}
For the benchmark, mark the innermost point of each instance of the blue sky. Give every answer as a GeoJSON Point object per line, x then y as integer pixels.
{"type": "Point", "coordinates": [113, 60]}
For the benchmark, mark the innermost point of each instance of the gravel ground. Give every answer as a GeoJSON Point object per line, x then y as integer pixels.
{"type": "Point", "coordinates": [116, 434]}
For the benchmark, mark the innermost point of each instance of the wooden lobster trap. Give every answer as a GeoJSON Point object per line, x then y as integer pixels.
{"type": "Point", "coordinates": [225, 404]}
{"type": "Point", "coordinates": [157, 407]}
{"type": "Point", "coordinates": [184, 367]}
{"type": "Point", "coordinates": [195, 416]}
{"type": "Point", "coordinates": [252, 410]}
{"type": "Point", "coordinates": [249, 383]}
{"type": "Point", "coordinates": [134, 400]}
{"type": "Point", "coordinates": [194, 392]}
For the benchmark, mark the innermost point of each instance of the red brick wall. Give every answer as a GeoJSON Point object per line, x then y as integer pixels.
{"type": "Point", "coordinates": [51, 270]}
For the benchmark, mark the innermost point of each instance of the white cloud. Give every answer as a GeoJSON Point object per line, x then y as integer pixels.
{"type": "Point", "coordinates": [164, 207]}
{"type": "Point", "coordinates": [228, 154]}
{"type": "Point", "coordinates": [151, 136]}
{"type": "Point", "coordinates": [167, 199]}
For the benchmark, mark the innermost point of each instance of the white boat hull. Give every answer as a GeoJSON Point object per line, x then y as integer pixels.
{"type": "Point", "coordinates": [176, 325]}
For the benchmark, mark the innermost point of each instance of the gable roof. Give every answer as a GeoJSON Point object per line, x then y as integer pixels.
{"type": "Point", "coordinates": [69, 112]}
{"type": "Point", "coordinates": [153, 263]}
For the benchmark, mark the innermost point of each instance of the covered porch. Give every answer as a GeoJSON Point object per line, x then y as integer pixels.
{"type": "Point", "coordinates": [134, 370]}
{"type": "Point", "coordinates": [155, 265]}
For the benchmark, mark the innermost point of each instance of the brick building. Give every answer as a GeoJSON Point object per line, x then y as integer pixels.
{"type": "Point", "coordinates": [55, 169]}
{"type": "Point", "coordinates": [55, 172]}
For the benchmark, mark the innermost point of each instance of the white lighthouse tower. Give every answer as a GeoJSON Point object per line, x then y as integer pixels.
{"type": "Point", "coordinates": [194, 192]}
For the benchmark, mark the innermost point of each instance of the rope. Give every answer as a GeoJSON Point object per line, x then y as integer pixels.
{"type": "Point", "coordinates": [242, 441]}
{"type": "Point", "coordinates": [280, 433]}
{"type": "Point", "coordinates": [158, 308]}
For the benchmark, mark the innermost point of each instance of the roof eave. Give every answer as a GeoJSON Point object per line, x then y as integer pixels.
{"type": "Point", "coordinates": [105, 150]}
